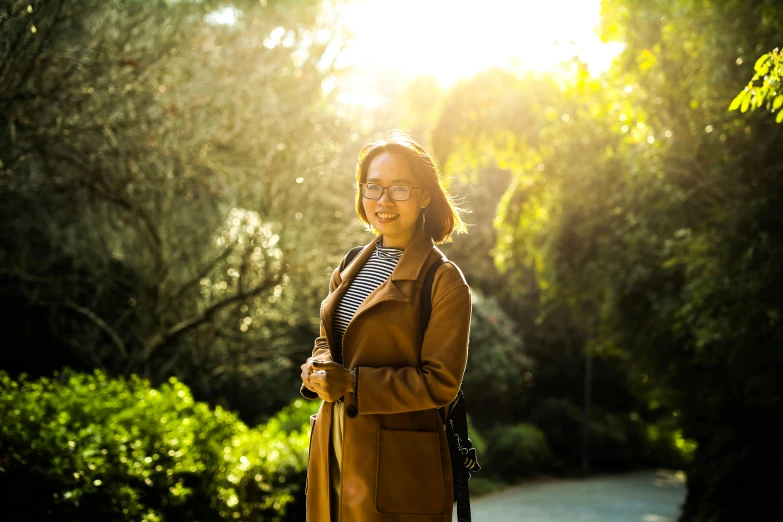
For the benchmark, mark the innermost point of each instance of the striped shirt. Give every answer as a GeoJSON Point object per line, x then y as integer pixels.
{"type": "Point", "coordinates": [376, 270]}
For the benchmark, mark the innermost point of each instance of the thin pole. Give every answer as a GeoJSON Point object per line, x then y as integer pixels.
{"type": "Point", "coordinates": [586, 416]}
{"type": "Point", "coordinates": [588, 399]}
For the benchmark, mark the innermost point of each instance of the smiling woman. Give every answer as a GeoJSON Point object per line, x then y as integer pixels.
{"type": "Point", "coordinates": [394, 216]}
{"type": "Point", "coordinates": [378, 444]}
{"type": "Point", "coordinates": [399, 163]}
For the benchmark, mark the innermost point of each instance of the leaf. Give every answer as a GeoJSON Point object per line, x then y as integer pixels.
{"type": "Point", "coordinates": [646, 59]}
{"type": "Point", "coordinates": [779, 117]}
{"type": "Point", "coordinates": [760, 61]}
{"type": "Point", "coordinates": [778, 102]}
{"type": "Point", "coordinates": [761, 94]}
{"type": "Point", "coordinates": [735, 103]}
{"type": "Point", "coordinates": [745, 102]}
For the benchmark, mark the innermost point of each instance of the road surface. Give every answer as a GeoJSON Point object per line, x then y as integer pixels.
{"type": "Point", "coordinates": [643, 496]}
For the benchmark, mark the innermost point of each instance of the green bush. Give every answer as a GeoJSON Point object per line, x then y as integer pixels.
{"type": "Point", "coordinates": [666, 447]}
{"type": "Point", "coordinates": [476, 438]}
{"type": "Point", "coordinates": [87, 447]}
{"type": "Point", "coordinates": [516, 451]}
{"type": "Point", "coordinates": [294, 417]}
{"type": "Point", "coordinates": [561, 421]}
{"type": "Point", "coordinates": [617, 440]}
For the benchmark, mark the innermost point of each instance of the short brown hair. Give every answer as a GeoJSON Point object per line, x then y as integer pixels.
{"type": "Point", "coordinates": [444, 217]}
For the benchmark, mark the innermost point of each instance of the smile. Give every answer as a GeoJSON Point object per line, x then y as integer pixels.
{"type": "Point", "coordinates": [383, 217]}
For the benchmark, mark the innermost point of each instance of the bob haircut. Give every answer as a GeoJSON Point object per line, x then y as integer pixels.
{"type": "Point", "coordinates": [444, 217]}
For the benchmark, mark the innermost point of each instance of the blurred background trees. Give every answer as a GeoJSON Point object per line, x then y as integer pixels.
{"type": "Point", "coordinates": [162, 174]}
{"type": "Point", "coordinates": [175, 189]}
{"type": "Point", "coordinates": [644, 212]}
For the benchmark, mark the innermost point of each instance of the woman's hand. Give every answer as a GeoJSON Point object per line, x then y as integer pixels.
{"type": "Point", "coordinates": [307, 370]}
{"type": "Point", "coordinates": [330, 380]}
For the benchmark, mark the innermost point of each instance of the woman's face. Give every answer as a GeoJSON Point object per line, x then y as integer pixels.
{"type": "Point", "coordinates": [396, 220]}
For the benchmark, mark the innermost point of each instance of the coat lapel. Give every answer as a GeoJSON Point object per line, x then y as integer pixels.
{"type": "Point", "coordinates": [408, 268]}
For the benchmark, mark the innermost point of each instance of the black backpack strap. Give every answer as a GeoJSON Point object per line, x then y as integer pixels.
{"type": "Point", "coordinates": [352, 253]}
{"type": "Point", "coordinates": [425, 311]}
{"type": "Point", "coordinates": [463, 454]}
{"type": "Point", "coordinates": [426, 295]}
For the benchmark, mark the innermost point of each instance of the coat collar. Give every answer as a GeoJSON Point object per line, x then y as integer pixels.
{"type": "Point", "coordinates": [410, 265]}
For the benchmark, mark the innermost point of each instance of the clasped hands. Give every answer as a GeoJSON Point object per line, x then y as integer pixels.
{"type": "Point", "coordinates": [328, 379]}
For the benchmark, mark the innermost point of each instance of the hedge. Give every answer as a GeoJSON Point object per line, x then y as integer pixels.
{"type": "Point", "coordinates": [516, 451]}
{"type": "Point", "coordinates": [88, 447]}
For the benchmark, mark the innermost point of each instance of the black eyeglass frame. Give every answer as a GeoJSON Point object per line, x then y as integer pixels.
{"type": "Point", "coordinates": [363, 188]}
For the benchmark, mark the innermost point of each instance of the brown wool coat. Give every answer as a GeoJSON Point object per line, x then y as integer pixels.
{"type": "Point", "coordinates": [396, 462]}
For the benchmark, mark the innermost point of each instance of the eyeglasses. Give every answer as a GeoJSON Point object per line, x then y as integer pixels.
{"type": "Point", "coordinates": [396, 192]}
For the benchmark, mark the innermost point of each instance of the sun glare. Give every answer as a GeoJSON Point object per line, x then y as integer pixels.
{"type": "Point", "coordinates": [454, 39]}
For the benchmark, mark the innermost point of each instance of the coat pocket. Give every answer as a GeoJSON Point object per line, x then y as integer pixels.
{"type": "Point", "coordinates": [409, 473]}
{"type": "Point", "coordinates": [312, 428]}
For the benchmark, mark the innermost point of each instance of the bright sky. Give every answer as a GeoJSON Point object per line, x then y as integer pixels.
{"type": "Point", "coordinates": [454, 39]}
{"type": "Point", "coordinates": [395, 40]}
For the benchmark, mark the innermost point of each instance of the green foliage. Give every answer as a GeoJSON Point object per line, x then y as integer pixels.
{"type": "Point", "coordinates": [171, 176]}
{"type": "Point", "coordinates": [516, 451]}
{"type": "Point", "coordinates": [494, 380]}
{"type": "Point", "coordinates": [618, 440]}
{"type": "Point", "coordinates": [294, 417]}
{"type": "Point", "coordinates": [769, 68]}
{"type": "Point", "coordinates": [646, 218]}
{"type": "Point", "coordinates": [87, 447]}
{"type": "Point", "coordinates": [561, 421]}
{"type": "Point", "coordinates": [476, 438]}
{"type": "Point", "coordinates": [665, 444]}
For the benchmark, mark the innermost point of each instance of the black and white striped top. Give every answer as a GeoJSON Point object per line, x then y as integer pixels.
{"type": "Point", "coordinates": [377, 269]}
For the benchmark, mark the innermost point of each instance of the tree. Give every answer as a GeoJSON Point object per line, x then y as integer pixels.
{"type": "Point", "coordinates": [502, 137]}
{"type": "Point", "coordinates": [768, 69]}
{"type": "Point", "coordinates": [642, 202]}
{"type": "Point", "coordinates": [162, 175]}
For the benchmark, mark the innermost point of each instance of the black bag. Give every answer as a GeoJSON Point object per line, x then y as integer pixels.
{"type": "Point", "coordinates": [464, 461]}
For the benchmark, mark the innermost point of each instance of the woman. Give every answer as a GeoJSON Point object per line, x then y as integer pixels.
{"type": "Point", "coordinates": [378, 450]}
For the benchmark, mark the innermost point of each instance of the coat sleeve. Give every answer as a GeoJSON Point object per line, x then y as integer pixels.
{"type": "Point", "coordinates": [321, 349]}
{"type": "Point", "coordinates": [444, 353]}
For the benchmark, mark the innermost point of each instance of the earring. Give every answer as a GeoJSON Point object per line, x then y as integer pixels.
{"type": "Point", "coordinates": [423, 219]}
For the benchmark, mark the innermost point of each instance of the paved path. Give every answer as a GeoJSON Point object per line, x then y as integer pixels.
{"type": "Point", "coordinates": [644, 496]}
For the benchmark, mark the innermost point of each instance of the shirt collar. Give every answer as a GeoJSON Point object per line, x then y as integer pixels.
{"type": "Point", "coordinates": [410, 265]}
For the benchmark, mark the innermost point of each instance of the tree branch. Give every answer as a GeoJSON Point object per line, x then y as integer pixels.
{"type": "Point", "coordinates": [204, 272]}
{"type": "Point", "coordinates": [185, 325]}
{"type": "Point", "coordinates": [101, 324]}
